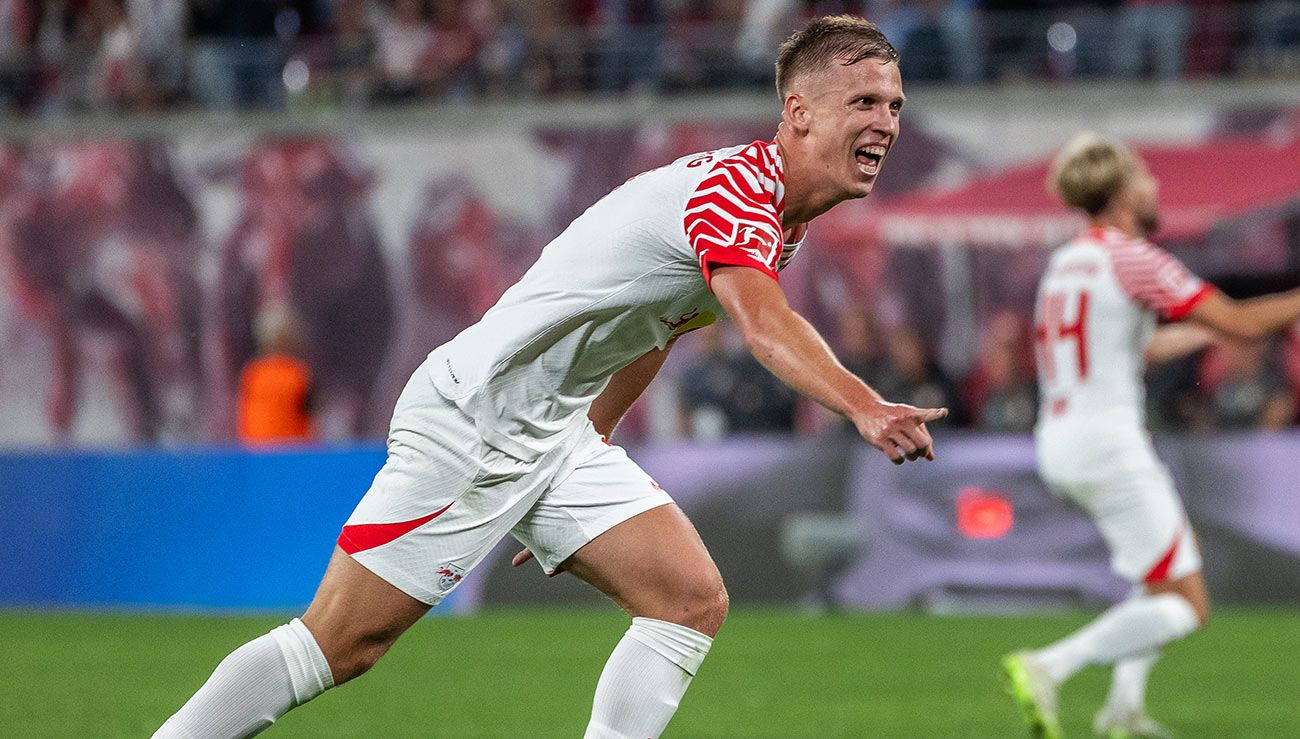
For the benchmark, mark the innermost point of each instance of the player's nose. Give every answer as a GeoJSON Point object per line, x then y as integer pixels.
{"type": "Point", "coordinates": [885, 122]}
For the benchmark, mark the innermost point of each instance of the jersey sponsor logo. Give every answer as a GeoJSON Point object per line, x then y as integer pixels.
{"type": "Point", "coordinates": [448, 575]}
{"type": "Point", "coordinates": [688, 322]}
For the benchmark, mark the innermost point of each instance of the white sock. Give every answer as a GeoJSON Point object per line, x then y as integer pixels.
{"type": "Point", "coordinates": [645, 679]}
{"type": "Point", "coordinates": [253, 686]}
{"type": "Point", "coordinates": [1128, 683]}
{"type": "Point", "coordinates": [1130, 628]}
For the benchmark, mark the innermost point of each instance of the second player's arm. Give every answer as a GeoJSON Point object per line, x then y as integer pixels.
{"type": "Point", "coordinates": [1249, 319]}
{"type": "Point", "coordinates": [790, 348]}
{"type": "Point", "coordinates": [1177, 340]}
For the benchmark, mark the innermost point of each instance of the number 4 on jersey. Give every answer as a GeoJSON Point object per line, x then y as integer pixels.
{"type": "Point", "coordinates": [1051, 328]}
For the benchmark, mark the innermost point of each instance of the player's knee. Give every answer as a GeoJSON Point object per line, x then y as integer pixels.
{"type": "Point", "coordinates": [1196, 597]}
{"type": "Point", "coordinates": [357, 658]}
{"type": "Point", "coordinates": [704, 605]}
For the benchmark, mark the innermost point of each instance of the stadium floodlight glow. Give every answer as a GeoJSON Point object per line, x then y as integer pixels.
{"type": "Point", "coordinates": [1062, 37]}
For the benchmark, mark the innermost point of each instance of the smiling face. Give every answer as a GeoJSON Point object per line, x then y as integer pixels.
{"type": "Point", "coordinates": [848, 115]}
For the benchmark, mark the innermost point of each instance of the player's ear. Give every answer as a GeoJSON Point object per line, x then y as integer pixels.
{"type": "Point", "coordinates": [796, 114]}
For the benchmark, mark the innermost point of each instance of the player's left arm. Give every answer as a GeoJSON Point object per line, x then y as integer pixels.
{"type": "Point", "coordinates": [624, 388]}
{"type": "Point", "coordinates": [1177, 340]}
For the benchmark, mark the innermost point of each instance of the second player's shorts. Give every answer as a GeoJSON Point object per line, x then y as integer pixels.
{"type": "Point", "coordinates": [444, 498]}
{"type": "Point", "coordinates": [1131, 497]}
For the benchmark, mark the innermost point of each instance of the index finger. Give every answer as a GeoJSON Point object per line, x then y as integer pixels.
{"type": "Point", "coordinates": [930, 414]}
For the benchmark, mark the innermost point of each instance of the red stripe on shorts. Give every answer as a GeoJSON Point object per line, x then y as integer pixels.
{"type": "Point", "coordinates": [363, 536]}
{"type": "Point", "coordinates": [1160, 572]}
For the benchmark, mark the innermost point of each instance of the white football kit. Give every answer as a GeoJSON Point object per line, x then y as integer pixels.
{"type": "Point", "coordinates": [491, 434]}
{"type": "Point", "coordinates": [1096, 310]}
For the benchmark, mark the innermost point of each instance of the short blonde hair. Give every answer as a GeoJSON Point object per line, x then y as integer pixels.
{"type": "Point", "coordinates": [846, 39]}
{"type": "Point", "coordinates": [1090, 171]}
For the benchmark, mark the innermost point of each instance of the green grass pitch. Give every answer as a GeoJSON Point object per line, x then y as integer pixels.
{"type": "Point", "coordinates": [531, 674]}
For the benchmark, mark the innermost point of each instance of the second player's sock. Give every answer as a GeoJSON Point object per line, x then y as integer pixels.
{"type": "Point", "coordinates": [1133, 627]}
{"type": "Point", "coordinates": [645, 679]}
{"type": "Point", "coordinates": [253, 686]}
{"type": "Point", "coordinates": [1128, 683]}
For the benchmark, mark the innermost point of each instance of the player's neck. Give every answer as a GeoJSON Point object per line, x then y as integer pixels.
{"type": "Point", "coordinates": [1125, 223]}
{"type": "Point", "coordinates": [803, 201]}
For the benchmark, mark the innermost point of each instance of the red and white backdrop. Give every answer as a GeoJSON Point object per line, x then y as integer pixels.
{"type": "Point", "coordinates": [133, 268]}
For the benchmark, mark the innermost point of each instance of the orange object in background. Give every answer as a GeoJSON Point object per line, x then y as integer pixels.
{"type": "Point", "coordinates": [984, 514]}
{"type": "Point", "coordinates": [275, 400]}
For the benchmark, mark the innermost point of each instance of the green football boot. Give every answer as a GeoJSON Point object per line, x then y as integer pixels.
{"type": "Point", "coordinates": [1034, 693]}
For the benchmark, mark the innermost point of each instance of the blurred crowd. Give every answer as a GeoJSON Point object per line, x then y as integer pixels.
{"type": "Point", "coordinates": [144, 55]}
{"type": "Point", "coordinates": [1230, 386]}
{"type": "Point", "coordinates": [131, 314]}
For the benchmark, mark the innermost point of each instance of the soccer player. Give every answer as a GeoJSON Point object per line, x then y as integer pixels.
{"type": "Point", "coordinates": [1095, 330]}
{"type": "Point", "coordinates": [504, 429]}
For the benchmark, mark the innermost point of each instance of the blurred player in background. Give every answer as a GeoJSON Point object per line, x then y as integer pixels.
{"type": "Point", "coordinates": [504, 429]}
{"type": "Point", "coordinates": [1095, 331]}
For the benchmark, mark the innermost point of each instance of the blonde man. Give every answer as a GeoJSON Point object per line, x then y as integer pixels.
{"type": "Point", "coordinates": [1095, 330]}
{"type": "Point", "coordinates": [504, 430]}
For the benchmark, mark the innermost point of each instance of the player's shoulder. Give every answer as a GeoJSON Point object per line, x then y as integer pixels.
{"type": "Point", "coordinates": [1123, 250]}
{"type": "Point", "coordinates": [1120, 243]}
{"type": "Point", "coordinates": [750, 171]}
{"type": "Point", "coordinates": [760, 157]}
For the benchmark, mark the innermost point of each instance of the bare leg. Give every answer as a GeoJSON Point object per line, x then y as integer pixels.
{"type": "Point", "coordinates": [353, 620]}
{"type": "Point", "coordinates": [654, 565]}
{"type": "Point", "coordinates": [1191, 588]}
{"type": "Point", "coordinates": [657, 569]}
{"type": "Point", "coordinates": [356, 616]}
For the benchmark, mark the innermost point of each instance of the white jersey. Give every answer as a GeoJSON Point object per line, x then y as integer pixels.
{"type": "Point", "coordinates": [1097, 307]}
{"type": "Point", "coordinates": [626, 277]}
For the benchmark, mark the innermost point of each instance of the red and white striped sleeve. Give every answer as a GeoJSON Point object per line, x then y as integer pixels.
{"type": "Point", "coordinates": [1155, 279]}
{"type": "Point", "coordinates": [731, 217]}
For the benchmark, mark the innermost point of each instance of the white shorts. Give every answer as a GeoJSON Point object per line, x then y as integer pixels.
{"type": "Point", "coordinates": [444, 497]}
{"type": "Point", "coordinates": [1133, 502]}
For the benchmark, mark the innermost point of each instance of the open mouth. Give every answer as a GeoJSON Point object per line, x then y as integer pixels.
{"type": "Point", "coordinates": [869, 158]}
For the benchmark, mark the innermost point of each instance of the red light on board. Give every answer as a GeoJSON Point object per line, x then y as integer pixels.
{"type": "Point", "coordinates": [984, 514]}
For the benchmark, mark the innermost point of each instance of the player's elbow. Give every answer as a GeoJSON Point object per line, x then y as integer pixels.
{"type": "Point", "coordinates": [761, 341]}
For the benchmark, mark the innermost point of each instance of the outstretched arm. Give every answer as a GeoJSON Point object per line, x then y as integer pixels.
{"type": "Point", "coordinates": [790, 348]}
{"type": "Point", "coordinates": [1247, 319]}
{"type": "Point", "coordinates": [624, 388]}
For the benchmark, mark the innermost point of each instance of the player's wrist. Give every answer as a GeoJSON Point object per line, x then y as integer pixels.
{"type": "Point", "coordinates": [867, 410]}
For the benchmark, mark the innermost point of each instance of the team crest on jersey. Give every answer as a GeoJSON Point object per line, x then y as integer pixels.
{"type": "Point", "coordinates": [689, 321]}
{"type": "Point", "coordinates": [448, 575]}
